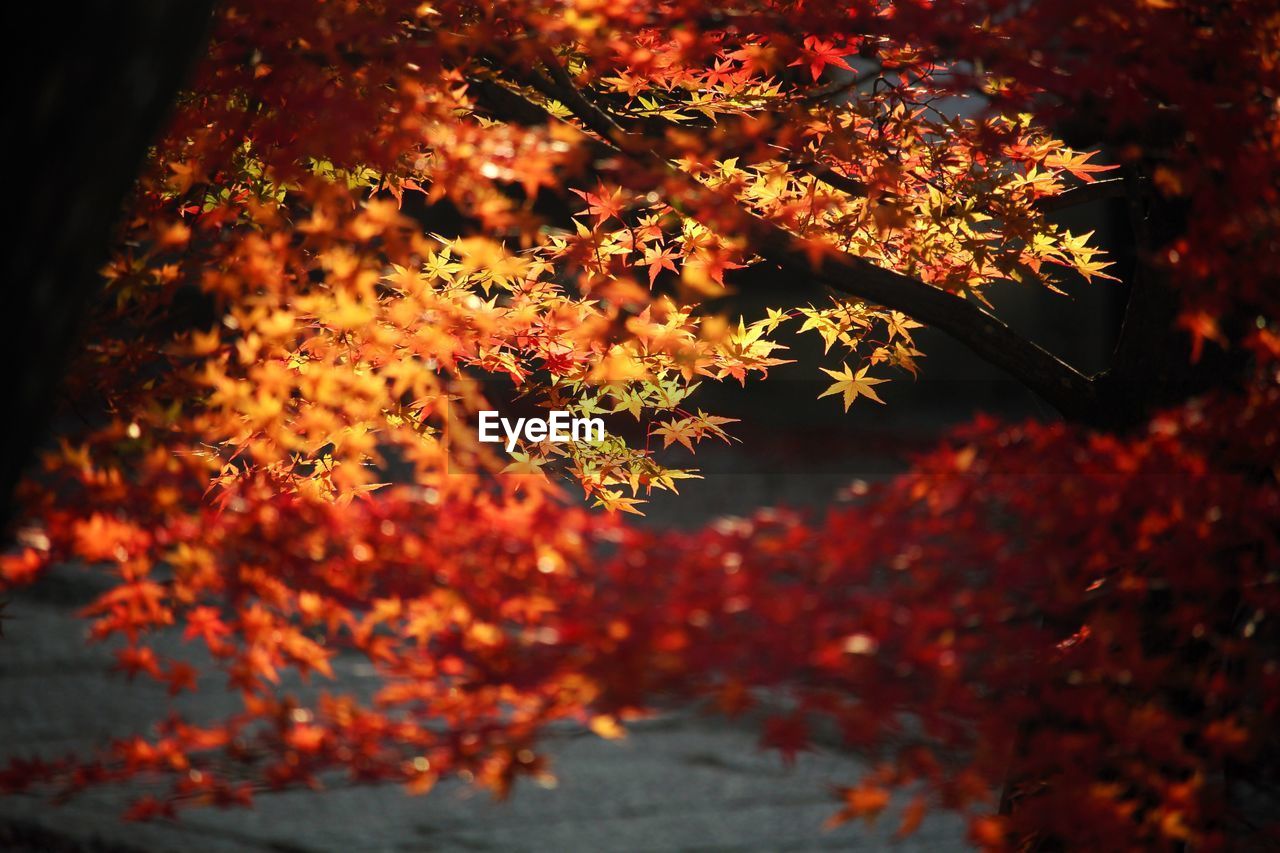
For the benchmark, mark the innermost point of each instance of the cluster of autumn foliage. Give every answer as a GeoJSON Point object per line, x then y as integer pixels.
{"type": "Point", "coordinates": [1066, 630]}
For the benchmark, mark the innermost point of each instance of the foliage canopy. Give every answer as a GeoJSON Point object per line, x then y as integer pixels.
{"type": "Point", "coordinates": [278, 333]}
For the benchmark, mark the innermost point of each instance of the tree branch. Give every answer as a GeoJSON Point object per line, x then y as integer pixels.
{"type": "Point", "coordinates": [1069, 391]}
{"type": "Point", "coordinates": [1083, 194]}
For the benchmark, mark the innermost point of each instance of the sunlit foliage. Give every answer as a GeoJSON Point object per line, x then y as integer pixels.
{"type": "Point", "coordinates": [275, 455]}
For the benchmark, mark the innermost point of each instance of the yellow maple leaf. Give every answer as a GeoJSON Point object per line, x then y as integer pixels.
{"type": "Point", "coordinates": [851, 385]}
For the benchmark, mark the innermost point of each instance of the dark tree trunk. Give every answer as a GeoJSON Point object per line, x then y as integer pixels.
{"type": "Point", "coordinates": [83, 116]}
{"type": "Point", "coordinates": [1152, 366]}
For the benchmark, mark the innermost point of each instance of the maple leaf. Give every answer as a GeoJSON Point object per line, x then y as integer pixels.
{"type": "Point", "coordinates": [667, 477]}
{"type": "Point", "coordinates": [865, 801]}
{"type": "Point", "coordinates": [526, 465]}
{"type": "Point", "coordinates": [900, 325]}
{"type": "Point", "coordinates": [789, 735]}
{"type": "Point", "coordinates": [206, 623]}
{"type": "Point", "coordinates": [1077, 163]}
{"type": "Point", "coordinates": [682, 431]}
{"type": "Point", "coordinates": [692, 429]}
{"type": "Point", "coordinates": [631, 401]}
{"type": "Point", "coordinates": [820, 53]}
{"type": "Point", "coordinates": [613, 501]}
{"type": "Point", "coordinates": [135, 659]}
{"type": "Point", "coordinates": [607, 727]}
{"type": "Point", "coordinates": [1202, 326]}
{"type": "Point", "coordinates": [912, 816]}
{"type": "Point", "coordinates": [603, 207]}
{"type": "Point", "coordinates": [180, 676]}
{"type": "Point", "coordinates": [406, 280]}
{"type": "Point", "coordinates": [820, 321]}
{"type": "Point", "coordinates": [851, 385]}
{"type": "Point", "coordinates": [658, 258]}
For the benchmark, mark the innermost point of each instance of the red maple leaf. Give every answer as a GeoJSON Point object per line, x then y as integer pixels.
{"type": "Point", "coordinates": [820, 53]}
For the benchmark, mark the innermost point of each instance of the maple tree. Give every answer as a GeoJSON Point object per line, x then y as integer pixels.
{"type": "Point", "coordinates": [283, 362]}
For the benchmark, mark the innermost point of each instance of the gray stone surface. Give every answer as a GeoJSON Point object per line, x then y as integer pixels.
{"type": "Point", "coordinates": [680, 781]}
